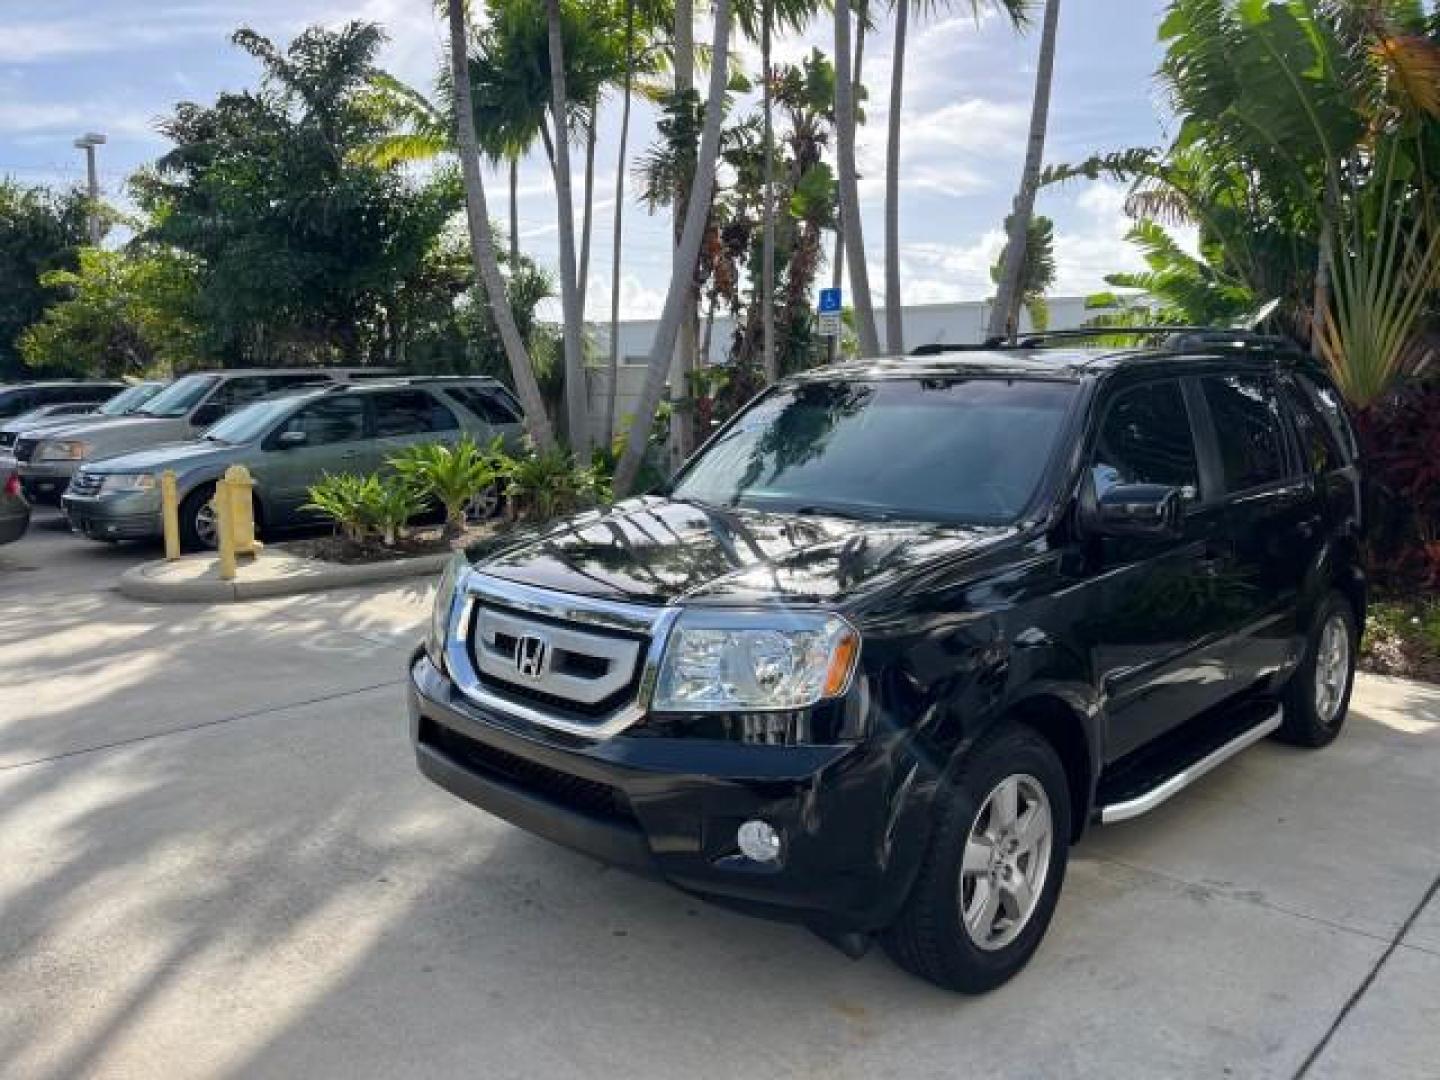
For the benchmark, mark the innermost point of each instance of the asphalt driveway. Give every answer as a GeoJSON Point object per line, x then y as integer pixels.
{"type": "Point", "coordinates": [217, 859]}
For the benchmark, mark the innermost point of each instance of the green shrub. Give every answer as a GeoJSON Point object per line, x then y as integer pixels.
{"type": "Point", "coordinates": [365, 505]}
{"type": "Point", "coordinates": [452, 476]}
{"type": "Point", "coordinates": [551, 484]}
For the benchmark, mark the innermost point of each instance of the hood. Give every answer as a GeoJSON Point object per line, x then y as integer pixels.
{"type": "Point", "coordinates": [53, 423]}
{"type": "Point", "coordinates": [165, 456]}
{"type": "Point", "coordinates": [656, 550]}
{"type": "Point", "coordinates": [119, 433]}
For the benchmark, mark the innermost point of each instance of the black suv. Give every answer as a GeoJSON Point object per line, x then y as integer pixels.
{"type": "Point", "coordinates": [901, 629]}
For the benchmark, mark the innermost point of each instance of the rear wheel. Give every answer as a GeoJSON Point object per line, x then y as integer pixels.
{"type": "Point", "coordinates": [199, 524]}
{"type": "Point", "coordinates": [484, 504]}
{"type": "Point", "coordinates": [991, 877]}
{"type": "Point", "coordinates": [1317, 698]}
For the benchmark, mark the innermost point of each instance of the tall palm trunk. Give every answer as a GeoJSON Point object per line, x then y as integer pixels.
{"type": "Point", "coordinates": [687, 252]}
{"type": "Point", "coordinates": [1005, 317]}
{"type": "Point", "coordinates": [577, 410]}
{"type": "Point", "coordinates": [482, 242]}
{"type": "Point", "coordinates": [894, 316]}
{"type": "Point", "coordinates": [514, 212]}
{"type": "Point", "coordinates": [837, 262]}
{"type": "Point", "coordinates": [615, 258]}
{"type": "Point", "coordinates": [767, 270]}
{"type": "Point", "coordinates": [587, 216]}
{"type": "Point", "coordinates": [682, 434]}
{"type": "Point", "coordinates": [849, 188]}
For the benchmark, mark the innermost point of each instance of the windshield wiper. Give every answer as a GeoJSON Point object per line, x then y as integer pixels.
{"type": "Point", "coordinates": [843, 514]}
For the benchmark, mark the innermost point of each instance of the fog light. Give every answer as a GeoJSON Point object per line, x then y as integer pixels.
{"type": "Point", "coordinates": [758, 842]}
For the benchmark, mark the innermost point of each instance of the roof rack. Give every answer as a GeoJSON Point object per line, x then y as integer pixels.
{"type": "Point", "coordinates": [1177, 339]}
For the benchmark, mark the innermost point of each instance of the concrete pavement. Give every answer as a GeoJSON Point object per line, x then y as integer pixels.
{"type": "Point", "coordinates": [217, 859]}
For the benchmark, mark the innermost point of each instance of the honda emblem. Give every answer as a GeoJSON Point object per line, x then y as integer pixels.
{"type": "Point", "coordinates": [531, 652]}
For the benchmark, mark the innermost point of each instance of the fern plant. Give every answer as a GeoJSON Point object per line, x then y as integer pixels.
{"type": "Point", "coordinates": [451, 475]}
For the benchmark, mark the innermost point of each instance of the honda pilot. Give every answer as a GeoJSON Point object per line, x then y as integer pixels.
{"type": "Point", "coordinates": [902, 630]}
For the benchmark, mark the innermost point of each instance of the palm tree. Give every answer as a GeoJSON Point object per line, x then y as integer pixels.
{"type": "Point", "coordinates": [1017, 11]}
{"type": "Point", "coordinates": [686, 253]}
{"type": "Point", "coordinates": [627, 96]}
{"type": "Point", "coordinates": [1039, 271]}
{"type": "Point", "coordinates": [863, 306]}
{"type": "Point", "coordinates": [767, 257]}
{"type": "Point", "coordinates": [482, 242]}
{"type": "Point", "coordinates": [577, 409]}
{"type": "Point", "coordinates": [1006, 312]}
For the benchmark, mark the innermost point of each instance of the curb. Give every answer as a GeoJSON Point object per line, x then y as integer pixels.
{"type": "Point", "coordinates": [148, 581]}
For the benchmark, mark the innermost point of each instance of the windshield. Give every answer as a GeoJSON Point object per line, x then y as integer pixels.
{"type": "Point", "coordinates": [251, 422]}
{"type": "Point", "coordinates": [950, 450]}
{"type": "Point", "coordinates": [128, 400]}
{"type": "Point", "coordinates": [179, 397]}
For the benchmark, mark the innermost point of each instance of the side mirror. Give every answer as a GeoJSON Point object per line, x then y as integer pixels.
{"type": "Point", "coordinates": [288, 440]}
{"type": "Point", "coordinates": [1147, 511]}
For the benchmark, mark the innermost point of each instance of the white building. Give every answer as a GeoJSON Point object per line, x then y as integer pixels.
{"type": "Point", "coordinates": [960, 323]}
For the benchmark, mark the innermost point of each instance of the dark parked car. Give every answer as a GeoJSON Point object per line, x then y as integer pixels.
{"type": "Point", "coordinates": [288, 442]}
{"type": "Point", "coordinates": [17, 398]}
{"type": "Point", "coordinates": [14, 510]}
{"type": "Point", "coordinates": [901, 630]}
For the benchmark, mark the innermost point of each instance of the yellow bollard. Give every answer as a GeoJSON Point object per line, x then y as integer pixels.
{"type": "Point", "coordinates": [170, 514]}
{"type": "Point", "coordinates": [242, 510]}
{"type": "Point", "coordinates": [224, 529]}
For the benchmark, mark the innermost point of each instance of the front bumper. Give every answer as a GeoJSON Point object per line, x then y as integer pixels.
{"type": "Point", "coordinates": [669, 807]}
{"type": "Point", "coordinates": [127, 516]}
{"type": "Point", "coordinates": [46, 479]}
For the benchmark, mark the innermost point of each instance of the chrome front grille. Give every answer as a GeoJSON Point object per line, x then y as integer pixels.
{"type": "Point", "coordinates": [25, 448]}
{"type": "Point", "coordinates": [566, 662]}
{"type": "Point", "coordinates": [559, 661]}
{"type": "Point", "coordinates": [86, 485]}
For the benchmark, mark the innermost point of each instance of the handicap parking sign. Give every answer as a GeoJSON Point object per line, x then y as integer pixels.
{"type": "Point", "coordinates": [830, 302]}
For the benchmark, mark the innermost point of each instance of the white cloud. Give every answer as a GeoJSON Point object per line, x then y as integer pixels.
{"type": "Point", "coordinates": [36, 117]}
{"type": "Point", "coordinates": [34, 42]}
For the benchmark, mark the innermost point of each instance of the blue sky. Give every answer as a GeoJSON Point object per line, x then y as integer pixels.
{"type": "Point", "coordinates": [68, 66]}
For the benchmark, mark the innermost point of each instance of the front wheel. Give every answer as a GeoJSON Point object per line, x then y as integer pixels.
{"type": "Point", "coordinates": [485, 504]}
{"type": "Point", "coordinates": [991, 877]}
{"type": "Point", "coordinates": [199, 524]}
{"type": "Point", "coordinates": [1317, 698]}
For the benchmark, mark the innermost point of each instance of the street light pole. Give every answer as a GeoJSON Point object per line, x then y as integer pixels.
{"type": "Point", "coordinates": [88, 142]}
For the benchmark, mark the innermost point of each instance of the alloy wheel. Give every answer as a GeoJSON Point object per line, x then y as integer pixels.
{"type": "Point", "coordinates": [1332, 668]}
{"type": "Point", "coordinates": [1006, 862]}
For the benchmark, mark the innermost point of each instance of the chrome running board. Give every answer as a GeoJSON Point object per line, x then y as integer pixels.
{"type": "Point", "coordinates": [1174, 784]}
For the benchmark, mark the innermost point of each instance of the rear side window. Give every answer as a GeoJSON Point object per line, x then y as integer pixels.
{"type": "Point", "coordinates": [491, 406]}
{"type": "Point", "coordinates": [1146, 438]}
{"type": "Point", "coordinates": [14, 403]}
{"type": "Point", "coordinates": [1246, 415]}
{"type": "Point", "coordinates": [1327, 400]}
{"type": "Point", "coordinates": [1317, 440]}
{"type": "Point", "coordinates": [410, 412]}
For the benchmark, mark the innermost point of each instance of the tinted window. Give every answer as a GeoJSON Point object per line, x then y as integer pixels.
{"type": "Point", "coordinates": [330, 420]}
{"type": "Point", "coordinates": [1145, 438]}
{"type": "Point", "coordinates": [237, 392]}
{"type": "Point", "coordinates": [98, 392]}
{"type": "Point", "coordinates": [1327, 400]}
{"type": "Point", "coordinates": [494, 407]}
{"type": "Point", "coordinates": [1317, 442]}
{"type": "Point", "coordinates": [1247, 422]}
{"type": "Point", "coordinates": [952, 450]}
{"type": "Point", "coordinates": [410, 412]}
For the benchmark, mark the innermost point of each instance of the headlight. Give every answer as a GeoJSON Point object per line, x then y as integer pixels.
{"type": "Point", "coordinates": [719, 661]}
{"type": "Point", "coordinates": [62, 450]}
{"type": "Point", "coordinates": [440, 613]}
{"type": "Point", "coordinates": [116, 482]}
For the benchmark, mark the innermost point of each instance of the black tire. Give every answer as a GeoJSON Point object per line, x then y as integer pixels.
{"type": "Point", "coordinates": [930, 939]}
{"type": "Point", "coordinates": [191, 507]}
{"type": "Point", "coordinates": [1308, 721]}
